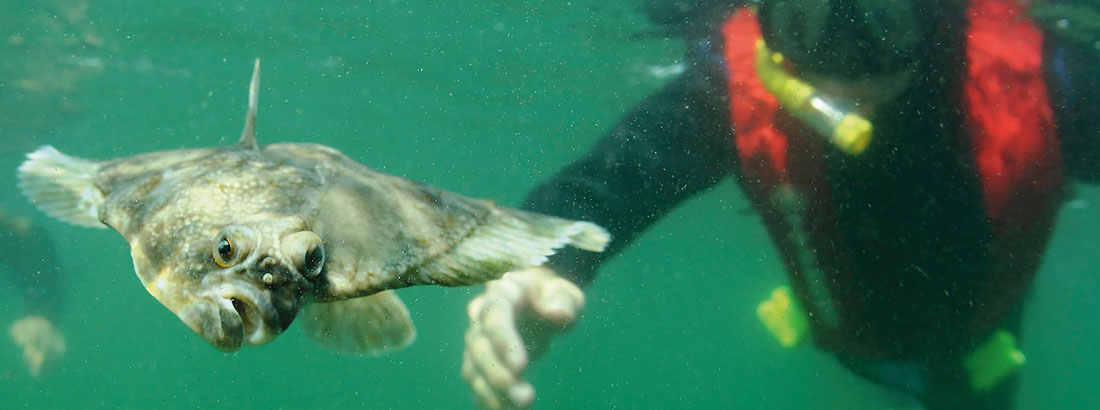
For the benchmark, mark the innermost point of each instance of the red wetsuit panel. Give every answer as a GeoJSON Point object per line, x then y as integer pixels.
{"type": "Point", "coordinates": [1015, 145]}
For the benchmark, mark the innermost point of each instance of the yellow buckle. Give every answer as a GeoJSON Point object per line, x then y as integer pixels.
{"type": "Point", "coordinates": [783, 317]}
{"type": "Point", "coordinates": [993, 361]}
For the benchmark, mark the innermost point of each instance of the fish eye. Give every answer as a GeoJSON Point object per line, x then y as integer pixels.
{"type": "Point", "coordinates": [307, 251]}
{"type": "Point", "coordinates": [228, 250]}
{"type": "Point", "coordinates": [225, 248]}
{"type": "Point", "coordinates": [314, 261]}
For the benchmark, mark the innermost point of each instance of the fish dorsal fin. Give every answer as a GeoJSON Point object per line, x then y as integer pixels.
{"type": "Point", "coordinates": [248, 136]}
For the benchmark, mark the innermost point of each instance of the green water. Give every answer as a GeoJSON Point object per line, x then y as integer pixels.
{"type": "Point", "coordinates": [482, 98]}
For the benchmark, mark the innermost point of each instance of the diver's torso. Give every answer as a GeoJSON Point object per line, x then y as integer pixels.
{"type": "Point", "coordinates": [889, 250]}
{"type": "Point", "coordinates": [909, 212]}
{"type": "Point", "coordinates": [899, 234]}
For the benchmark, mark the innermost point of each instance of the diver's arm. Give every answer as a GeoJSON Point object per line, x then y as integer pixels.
{"type": "Point", "coordinates": [32, 266]}
{"type": "Point", "coordinates": [673, 145]}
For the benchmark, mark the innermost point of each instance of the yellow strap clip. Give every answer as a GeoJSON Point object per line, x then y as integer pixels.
{"type": "Point", "coordinates": [783, 317]}
{"type": "Point", "coordinates": [993, 361]}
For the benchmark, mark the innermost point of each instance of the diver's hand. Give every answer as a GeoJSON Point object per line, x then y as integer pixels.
{"type": "Point", "coordinates": [511, 324]}
{"type": "Point", "coordinates": [42, 343]}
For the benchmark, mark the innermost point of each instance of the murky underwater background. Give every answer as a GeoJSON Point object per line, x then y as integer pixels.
{"type": "Point", "coordinates": [483, 98]}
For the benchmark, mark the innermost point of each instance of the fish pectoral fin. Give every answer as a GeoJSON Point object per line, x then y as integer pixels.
{"type": "Point", "coordinates": [63, 186]}
{"type": "Point", "coordinates": [509, 240]}
{"type": "Point", "coordinates": [370, 325]}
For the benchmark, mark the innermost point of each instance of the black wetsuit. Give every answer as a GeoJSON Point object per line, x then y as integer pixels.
{"type": "Point", "coordinates": [912, 203]}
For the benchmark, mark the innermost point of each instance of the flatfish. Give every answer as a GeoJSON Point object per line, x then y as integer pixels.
{"type": "Point", "coordinates": [238, 240]}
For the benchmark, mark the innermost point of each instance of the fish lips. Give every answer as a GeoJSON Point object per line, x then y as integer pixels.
{"type": "Point", "coordinates": [239, 314]}
{"type": "Point", "coordinates": [210, 320]}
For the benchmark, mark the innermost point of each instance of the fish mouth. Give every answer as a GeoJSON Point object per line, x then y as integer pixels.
{"type": "Point", "coordinates": [252, 329]}
{"type": "Point", "coordinates": [234, 314]}
{"type": "Point", "coordinates": [252, 310]}
{"type": "Point", "coordinates": [218, 326]}
{"type": "Point", "coordinates": [231, 313]}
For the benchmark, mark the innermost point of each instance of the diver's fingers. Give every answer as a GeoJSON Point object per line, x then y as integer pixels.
{"type": "Point", "coordinates": [482, 363]}
{"type": "Point", "coordinates": [493, 315]}
{"type": "Point", "coordinates": [489, 364]}
{"type": "Point", "coordinates": [558, 300]}
{"type": "Point", "coordinates": [34, 358]}
{"type": "Point", "coordinates": [521, 395]}
{"type": "Point", "coordinates": [496, 291]}
{"type": "Point", "coordinates": [468, 368]}
{"type": "Point", "coordinates": [517, 395]}
{"type": "Point", "coordinates": [495, 354]}
{"type": "Point", "coordinates": [473, 309]}
{"type": "Point", "coordinates": [510, 288]}
{"type": "Point", "coordinates": [527, 279]}
{"type": "Point", "coordinates": [499, 327]}
{"type": "Point", "coordinates": [484, 395]}
{"type": "Point", "coordinates": [41, 342]}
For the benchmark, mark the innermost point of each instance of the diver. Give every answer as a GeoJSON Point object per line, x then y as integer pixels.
{"type": "Point", "coordinates": [30, 267]}
{"type": "Point", "coordinates": [908, 160]}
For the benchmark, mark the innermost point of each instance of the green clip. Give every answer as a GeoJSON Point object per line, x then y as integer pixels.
{"type": "Point", "coordinates": [783, 318]}
{"type": "Point", "coordinates": [993, 361]}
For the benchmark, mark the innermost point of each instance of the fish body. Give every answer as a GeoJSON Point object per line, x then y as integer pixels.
{"type": "Point", "coordinates": [237, 241]}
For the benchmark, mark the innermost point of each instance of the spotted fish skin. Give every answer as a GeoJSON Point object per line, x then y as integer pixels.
{"type": "Point", "coordinates": [237, 240]}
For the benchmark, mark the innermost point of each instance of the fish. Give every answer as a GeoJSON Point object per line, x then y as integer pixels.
{"type": "Point", "coordinates": [238, 241]}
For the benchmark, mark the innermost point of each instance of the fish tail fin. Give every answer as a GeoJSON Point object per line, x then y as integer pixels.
{"type": "Point", "coordinates": [62, 186]}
